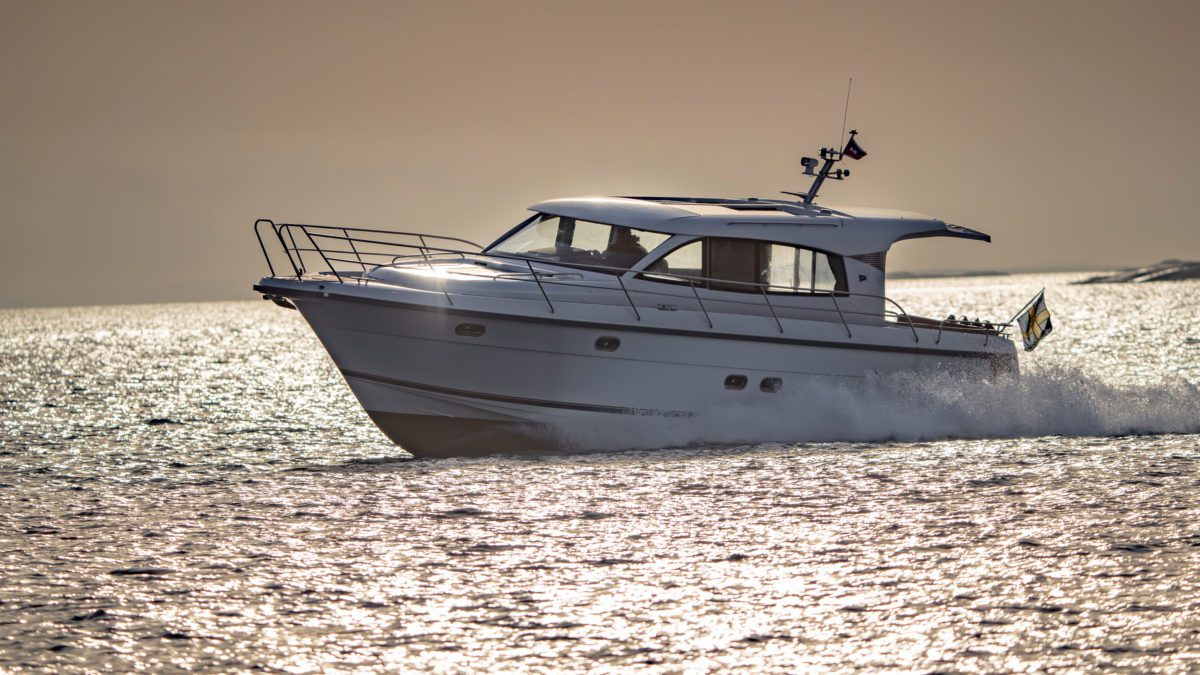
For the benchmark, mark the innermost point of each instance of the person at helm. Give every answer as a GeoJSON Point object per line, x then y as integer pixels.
{"type": "Point", "coordinates": [624, 249]}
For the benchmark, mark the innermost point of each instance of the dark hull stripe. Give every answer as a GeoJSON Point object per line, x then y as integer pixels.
{"type": "Point", "coordinates": [562, 405]}
{"type": "Point", "coordinates": [454, 311]}
{"type": "Point", "coordinates": [433, 436]}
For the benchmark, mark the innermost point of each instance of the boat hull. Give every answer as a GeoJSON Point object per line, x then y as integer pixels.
{"type": "Point", "coordinates": [434, 436]}
{"type": "Point", "coordinates": [445, 381]}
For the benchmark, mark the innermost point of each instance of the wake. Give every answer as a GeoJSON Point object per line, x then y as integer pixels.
{"type": "Point", "coordinates": [1052, 401]}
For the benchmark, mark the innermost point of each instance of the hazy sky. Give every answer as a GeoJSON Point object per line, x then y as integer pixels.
{"type": "Point", "coordinates": [139, 141]}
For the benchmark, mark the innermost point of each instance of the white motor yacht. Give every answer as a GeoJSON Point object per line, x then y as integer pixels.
{"type": "Point", "coordinates": [596, 309]}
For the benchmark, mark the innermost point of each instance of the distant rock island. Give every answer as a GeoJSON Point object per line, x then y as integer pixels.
{"type": "Point", "coordinates": [1167, 270]}
{"type": "Point", "coordinates": [941, 275]}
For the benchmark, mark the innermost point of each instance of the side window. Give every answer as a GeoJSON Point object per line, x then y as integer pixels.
{"type": "Point", "coordinates": [687, 261]}
{"type": "Point", "coordinates": [801, 270]}
{"type": "Point", "coordinates": [580, 242]}
{"type": "Point", "coordinates": [790, 268]}
{"type": "Point", "coordinates": [743, 265]}
{"type": "Point", "coordinates": [825, 277]}
{"type": "Point", "coordinates": [736, 264]}
{"type": "Point", "coordinates": [587, 235]}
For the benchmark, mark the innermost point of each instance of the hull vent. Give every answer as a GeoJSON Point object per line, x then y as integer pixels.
{"type": "Point", "coordinates": [873, 259]}
{"type": "Point", "coordinates": [470, 329]}
{"type": "Point", "coordinates": [770, 385]}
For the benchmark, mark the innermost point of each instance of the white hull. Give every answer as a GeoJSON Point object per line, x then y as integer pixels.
{"type": "Point", "coordinates": [533, 374]}
{"type": "Point", "coordinates": [609, 312]}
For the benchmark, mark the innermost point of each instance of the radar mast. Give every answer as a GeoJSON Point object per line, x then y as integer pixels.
{"type": "Point", "coordinates": [831, 156]}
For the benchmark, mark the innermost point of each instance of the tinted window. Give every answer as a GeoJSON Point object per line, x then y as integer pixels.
{"type": "Point", "coordinates": [737, 264]}
{"type": "Point", "coordinates": [685, 261]}
{"type": "Point", "coordinates": [801, 270]}
{"type": "Point", "coordinates": [751, 266]}
{"type": "Point", "coordinates": [583, 242]}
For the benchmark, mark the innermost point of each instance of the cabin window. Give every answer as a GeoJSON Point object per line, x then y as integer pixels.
{"type": "Point", "coordinates": [749, 266]}
{"type": "Point", "coordinates": [679, 264]}
{"type": "Point", "coordinates": [736, 264]}
{"type": "Point", "coordinates": [792, 269]}
{"type": "Point", "coordinates": [580, 242]}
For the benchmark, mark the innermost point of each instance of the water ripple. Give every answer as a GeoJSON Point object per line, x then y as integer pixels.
{"type": "Point", "coordinates": [193, 487]}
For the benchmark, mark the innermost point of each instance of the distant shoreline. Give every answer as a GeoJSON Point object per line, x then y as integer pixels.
{"type": "Point", "coordinates": [1167, 270]}
{"type": "Point", "coordinates": [941, 275]}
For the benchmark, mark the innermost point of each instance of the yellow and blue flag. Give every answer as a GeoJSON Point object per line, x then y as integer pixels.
{"type": "Point", "coordinates": [1035, 322]}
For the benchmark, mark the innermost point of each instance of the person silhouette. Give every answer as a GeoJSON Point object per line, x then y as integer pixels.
{"type": "Point", "coordinates": [624, 249]}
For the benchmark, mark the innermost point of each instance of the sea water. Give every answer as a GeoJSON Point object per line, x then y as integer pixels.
{"type": "Point", "coordinates": [193, 487]}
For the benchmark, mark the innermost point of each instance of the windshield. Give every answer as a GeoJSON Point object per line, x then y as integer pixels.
{"type": "Point", "coordinates": [582, 242]}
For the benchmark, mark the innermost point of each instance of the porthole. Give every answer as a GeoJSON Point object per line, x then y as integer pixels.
{"type": "Point", "coordinates": [608, 343]}
{"type": "Point", "coordinates": [770, 384]}
{"type": "Point", "coordinates": [735, 382]}
{"type": "Point", "coordinates": [470, 329]}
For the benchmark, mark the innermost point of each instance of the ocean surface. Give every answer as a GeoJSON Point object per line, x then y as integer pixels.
{"type": "Point", "coordinates": [193, 487]}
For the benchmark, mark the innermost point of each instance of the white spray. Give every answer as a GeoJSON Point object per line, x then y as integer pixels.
{"type": "Point", "coordinates": [911, 407]}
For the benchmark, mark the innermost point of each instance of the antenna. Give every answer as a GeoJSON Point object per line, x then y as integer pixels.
{"type": "Point", "coordinates": [846, 113]}
{"type": "Point", "coordinates": [831, 156]}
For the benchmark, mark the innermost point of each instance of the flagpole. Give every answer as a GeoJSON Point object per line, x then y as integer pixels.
{"type": "Point", "coordinates": [1023, 307]}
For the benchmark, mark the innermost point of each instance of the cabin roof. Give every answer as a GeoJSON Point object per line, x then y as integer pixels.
{"type": "Point", "coordinates": [849, 230]}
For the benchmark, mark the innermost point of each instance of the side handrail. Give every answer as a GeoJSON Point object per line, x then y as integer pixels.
{"type": "Point", "coordinates": [540, 286]}
{"type": "Point", "coordinates": [902, 313]}
{"type": "Point", "coordinates": [833, 296]}
{"type": "Point", "coordinates": [701, 303]}
{"type": "Point", "coordinates": [776, 316]}
{"type": "Point", "coordinates": [441, 282]}
{"type": "Point", "coordinates": [426, 253]}
{"type": "Point", "coordinates": [549, 279]}
{"type": "Point", "coordinates": [632, 306]}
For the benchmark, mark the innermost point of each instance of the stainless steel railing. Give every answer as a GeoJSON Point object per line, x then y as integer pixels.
{"type": "Point", "coordinates": [370, 249]}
